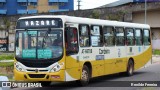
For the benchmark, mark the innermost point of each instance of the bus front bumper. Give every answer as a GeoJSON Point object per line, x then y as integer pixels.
{"type": "Point", "coordinates": [39, 76]}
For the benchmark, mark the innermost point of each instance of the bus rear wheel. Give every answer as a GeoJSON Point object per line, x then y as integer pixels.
{"type": "Point", "coordinates": [85, 76]}
{"type": "Point", "coordinates": [130, 68]}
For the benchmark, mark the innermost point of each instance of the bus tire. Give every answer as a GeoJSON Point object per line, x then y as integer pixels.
{"type": "Point", "coordinates": [130, 68]}
{"type": "Point", "coordinates": [85, 76]}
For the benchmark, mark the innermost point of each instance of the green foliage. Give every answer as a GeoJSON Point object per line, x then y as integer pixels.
{"type": "Point", "coordinates": [114, 17]}
{"type": "Point", "coordinates": [95, 15]}
{"type": "Point", "coordinates": [2, 74]}
{"type": "Point", "coordinates": [6, 64]}
{"type": "Point", "coordinates": [122, 12]}
{"type": "Point", "coordinates": [7, 57]}
{"type": "Point", "coordinates": [117, 16]}
{"type": "Point", "coordinates": [156, 52]}
{"type": "Point", "coordinates": [6, 23]}
{"type": "Point", "coordinates": [1, 28]}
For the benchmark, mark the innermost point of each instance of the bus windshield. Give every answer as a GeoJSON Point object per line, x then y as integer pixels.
{"type": "Point", "coordinates": [39, 44]}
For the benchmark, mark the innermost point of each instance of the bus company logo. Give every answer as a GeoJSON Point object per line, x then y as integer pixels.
{"type": "Point", "coordinates": [36, 70]}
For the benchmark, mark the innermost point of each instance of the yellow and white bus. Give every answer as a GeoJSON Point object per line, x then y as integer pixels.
{"type": "Point", "coordinates": [66, 48]}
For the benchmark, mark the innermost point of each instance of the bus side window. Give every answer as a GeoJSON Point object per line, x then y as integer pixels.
{"type": "Point", "coordinates": [84, 34]}
{"type": "Point", "coordinates": [138, 36]}
{"type": "Point", "coordinates": [130, 37]}
{"type": "Point", "coordinates": [71, 40]}
{"type": "Point", "coordinates": [120, 36]}
{"type": "Point", "coordinates": [108, 33]}
{"type": "Point", "coordinates": [96, 36]}
{"type": "Point", "coordinates": [146, 37]}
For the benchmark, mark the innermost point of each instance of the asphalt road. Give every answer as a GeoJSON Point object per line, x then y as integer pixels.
{"type": "Point", "coordinates": [149, 73]}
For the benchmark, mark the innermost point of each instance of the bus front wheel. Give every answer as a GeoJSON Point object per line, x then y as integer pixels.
{"type": "Point", "coordinates": [130, 68]}
{"type": "Point", "coordinates": [85, 76]}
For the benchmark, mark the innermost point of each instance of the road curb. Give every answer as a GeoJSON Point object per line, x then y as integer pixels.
{"type": "Point", "coordinates": [6, 60]}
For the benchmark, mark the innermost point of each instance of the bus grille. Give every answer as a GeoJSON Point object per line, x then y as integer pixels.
{"type": "Point", "coordinates": [37, 75]}
{"type": "Point", "coordinates": [38, 70]}
{"type": "Point", "coordinates": [37, 64]}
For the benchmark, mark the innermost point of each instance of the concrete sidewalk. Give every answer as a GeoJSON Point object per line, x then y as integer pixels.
{"type": "Point", "coordinates": [155, 58]}
{"type": "Point", "coordinates": [6, 60]}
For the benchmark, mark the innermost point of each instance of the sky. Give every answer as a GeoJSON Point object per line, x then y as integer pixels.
{"type": "Point", "coordinates": [89, 4]}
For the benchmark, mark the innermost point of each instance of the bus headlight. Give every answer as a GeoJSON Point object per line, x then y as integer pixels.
{"type": "Point", "coordinates": [19, 67]}
{"type": "Point", "coordinates": [57, 67]}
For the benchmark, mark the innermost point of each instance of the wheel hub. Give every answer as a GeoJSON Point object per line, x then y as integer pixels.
{"type": "Point", "coordinates": [84, 75]}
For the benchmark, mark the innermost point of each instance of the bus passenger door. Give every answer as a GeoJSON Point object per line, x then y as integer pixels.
{"type": "Point", "coordinates": [120, 50]}
{"type": "Point", "coordinates": [72, 52]}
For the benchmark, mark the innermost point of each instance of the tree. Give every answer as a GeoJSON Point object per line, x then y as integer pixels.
{"type": "Point", "coordinates": [118, 16]}
{"type": "Point", "coordinates": [7, 25]}
{"type": "Point", "coordinates": [95, 14]}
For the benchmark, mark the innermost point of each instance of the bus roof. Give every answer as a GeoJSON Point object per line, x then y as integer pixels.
{"type": "Point", "coordinates": [81, 20]}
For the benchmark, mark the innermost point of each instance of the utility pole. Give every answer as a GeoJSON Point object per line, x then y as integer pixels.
{"type": "Point", "coordinates": [58, 4]}
{"type": "Point", "coordinates": [7, 38]}
{"type": "Point", "coordinates": [145, 16]}
{"type": "Point", "coordinates": [79, 5]}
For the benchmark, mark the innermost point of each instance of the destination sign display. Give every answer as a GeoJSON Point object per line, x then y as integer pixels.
{"type": "Point", "coordinates": [39, 23]}
{"type": "Point", "coordinates": [29, 53]}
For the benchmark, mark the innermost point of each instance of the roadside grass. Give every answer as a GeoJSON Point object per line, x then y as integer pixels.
{"type": "Point", "coordinates": [6, 64]}
{"type": "Point", "coordinates": [6, 56]}
{"type": "Point", "coordinates": [156, 52]}
{"type": "Point", "coordinates": [6, 68]}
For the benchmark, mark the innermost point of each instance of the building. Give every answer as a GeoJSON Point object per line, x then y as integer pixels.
{"type": "Point", "coordinates": [124, 2]}
{"type": "Point", "coordinates": [126, 10]}
{"type": "Point", "coordinates": [137, 10]}
{"type": "Point", "coordinates": [14, 7]}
